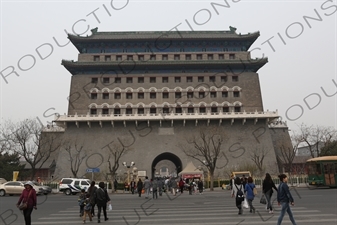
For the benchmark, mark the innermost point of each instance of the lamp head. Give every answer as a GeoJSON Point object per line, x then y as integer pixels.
{"type": "Point", "coordinates": [124, 163]}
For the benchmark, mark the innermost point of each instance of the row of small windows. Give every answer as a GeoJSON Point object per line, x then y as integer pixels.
{"type": "Point", "coordinates": [166, 110]}
{"type": "Point", "coordinates": [166, 95]}
{"type": "Point", "coordinates": [164, 57]}
{"type": "Point", "coordinates": [189, 79]}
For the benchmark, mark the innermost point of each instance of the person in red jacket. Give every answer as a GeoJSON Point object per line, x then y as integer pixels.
{"type": "Point", "coordinates": [28, 196]}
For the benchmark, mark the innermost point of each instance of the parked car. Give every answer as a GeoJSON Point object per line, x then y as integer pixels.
{"type": "Point", "coordinates": [2, 180]}
{"type": "Point", "coordinates": [73, 185]}
{"type": "Point", "coordinates": [44, 189]}
{"type": "Point", "coordinates": [15, 188]}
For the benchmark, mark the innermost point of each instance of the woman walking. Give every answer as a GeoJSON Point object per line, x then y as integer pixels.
{"type": "Point", "coordinates": [283, 198]}
{"type": "Point", "coordinates": [250, 193]}
{"type": "Point", "coordinates": [267, 189]}
{"type": "Point", "coordinates": [28, 196]}
{"type": "Point", "coordinates": [237, 192]}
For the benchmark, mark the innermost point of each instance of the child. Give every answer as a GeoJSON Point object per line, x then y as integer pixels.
{"type": "Point", "coordinates": [87, 208]}
{"type": "Point", "coordinates": [81, 200]}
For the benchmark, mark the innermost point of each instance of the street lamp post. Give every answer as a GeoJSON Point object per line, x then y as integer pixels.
{"type": "Point", "coordinates": [129, 166]}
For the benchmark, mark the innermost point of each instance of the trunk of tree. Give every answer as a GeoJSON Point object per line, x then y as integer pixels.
{"type": "Point", "coordinates": [211, 174]}
{"type": "Point", "coordinates": [33, 171]}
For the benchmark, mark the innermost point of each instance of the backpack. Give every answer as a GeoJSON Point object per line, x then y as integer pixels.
{"type": "Point", "coordinates": [239, 194]}
{"type": "Point", "coordinates": [87, 207]}
{"type": "Point", "coordinates": [81, 200]}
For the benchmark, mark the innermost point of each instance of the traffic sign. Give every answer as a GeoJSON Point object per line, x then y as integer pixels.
{"type": "Point", "coordinates": [92, 170]}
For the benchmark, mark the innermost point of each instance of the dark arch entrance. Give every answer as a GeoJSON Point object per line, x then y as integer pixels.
{"type": "Point", "coordinates": [166, 156]}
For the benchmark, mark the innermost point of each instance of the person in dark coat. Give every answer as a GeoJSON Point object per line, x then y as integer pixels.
{"type": "Point", "coordinates": [28, 195]}
{"type": "Point", "coordinates": [284, 197]}
{"type": "Point", "coordinates": [139, 187]}
{"type": "Point", "coordinates": [91, 191]}
{"type": "Point", "coordinates": [200, 186]}
{"type": "Point", "coordinates": [267, 189]}
{"type": "Point", "coordinates": [101, 199]}
{"type": "Point", "coordinates": [133, 186]}
{"type": "Point", "coordinates": [160, 186]}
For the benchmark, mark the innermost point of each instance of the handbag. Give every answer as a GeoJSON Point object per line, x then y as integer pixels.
{"type": "Point", "coordinates": [263, 199]}
{"type": "Point", "coordinates": [24, 205]}
{"type": "Point", "coordinates": [254, 191]}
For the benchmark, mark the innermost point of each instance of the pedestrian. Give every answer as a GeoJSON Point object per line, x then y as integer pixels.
{"type": "Point", "coordinates": [237, 192]}
{"type": "Point", "coordinates": [126, 186]}
{"type": "Point", "coordinates": [115, 185]}
{"type": "Point", "coordinates": [87, 208]}
{"type": "Point", "coordinates": [160, 186]}
{"type": "Point", "coordinates": [91, 192]}
{"type": "Point", "coordinates": [181, 185]}
{"type": "Point", "coordinates": [283, 198]}
{"type": "Point", "coordinates": [190, 187]}
{"type": "Point", "coordinates": [133, 186]}
{"type": "Point", "coordinates": [173, 184]}
{"type": "Point", "coordinates": [231, 182]}
{"type": "Point", "coordinates": [267, 189]}
{"type": "Point", "coordinates": [200, 186]}
{"type": "Point", "coordinates": [139, 187]}
{"type": "Point", "coordinates": [167, 184]}
{"type": "Point", "coordinates": [244, 180]}
{"type": "Point", "coordinates": [147, 186]}
{"type": "Point", "coordinates": [28, 198]}
{"type": "Point", "coordinates": [250, 194]}
{"type": "Point", "coordinates": [155, 188]}
{"type": "Point", "coordinates": [81, 199]}
{"type": "Point", "coordinates": [102, 198]}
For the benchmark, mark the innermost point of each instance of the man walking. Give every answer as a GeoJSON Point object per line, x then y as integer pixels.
{"type": "Point", "coordinates": [133, 186]}
{"type": "Point", "coordinates": [283, 199]}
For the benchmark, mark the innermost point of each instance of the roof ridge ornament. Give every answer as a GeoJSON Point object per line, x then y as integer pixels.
{"type": "Point", "coordinates": [94, 31]}
{"type": "Point", "coordinates": [232, 29]}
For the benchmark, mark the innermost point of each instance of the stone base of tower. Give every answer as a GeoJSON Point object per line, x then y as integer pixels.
{"type": "Point", "coordinates": [154, 145]}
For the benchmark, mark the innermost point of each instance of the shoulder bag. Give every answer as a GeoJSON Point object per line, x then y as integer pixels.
{"type": "Point", "coordinates": [23, 204]}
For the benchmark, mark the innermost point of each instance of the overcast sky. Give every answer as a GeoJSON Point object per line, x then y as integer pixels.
{"type": "Point", "coordinates": [299, 80]}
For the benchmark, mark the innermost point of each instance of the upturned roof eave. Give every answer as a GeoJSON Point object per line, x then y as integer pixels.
{"type": "Point", "coordinates": [76, 40]}
{"type": "Point", "coordinates": [72, 66]}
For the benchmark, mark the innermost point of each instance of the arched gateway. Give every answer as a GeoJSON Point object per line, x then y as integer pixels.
{"type": "Point", "coordinates": [166, 156]}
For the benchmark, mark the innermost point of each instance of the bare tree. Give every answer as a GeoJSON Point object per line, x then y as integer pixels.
{"type": "Point", "coordinates": [115, 151]}
{"type": "Point", "coordinates": [329, 148]}
{"type": "Point", "coordinates": [287, 157]}
{"type": "Point", "coordinates": [257, 156]}
{"type": "Point", "coordinates": [76, 155]}
{"type": "Point", "coordinates": [206, 148]}
{"type": "Point", "coordinates": [27, 139]}
{"type": "Point", "coordinates": [316, 137]}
